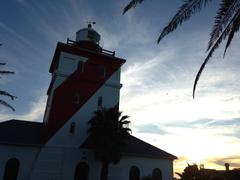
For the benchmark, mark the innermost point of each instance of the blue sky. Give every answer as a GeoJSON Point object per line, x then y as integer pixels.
{"type": "Point", "coordinates": [157, 78]}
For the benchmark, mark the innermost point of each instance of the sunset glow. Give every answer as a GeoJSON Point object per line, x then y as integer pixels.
{"type": "Point", "coordinates": [157, 78]}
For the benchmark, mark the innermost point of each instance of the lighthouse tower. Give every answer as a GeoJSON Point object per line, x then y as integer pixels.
{"type": "Point", "coordinates": [84, 77]}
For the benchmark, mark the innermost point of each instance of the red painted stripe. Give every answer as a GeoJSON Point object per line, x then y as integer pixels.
{"type": "Point", "coordinates": [86, 84]}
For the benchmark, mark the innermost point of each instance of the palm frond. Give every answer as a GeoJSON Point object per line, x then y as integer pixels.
{"type": "Point", "coordinates": [235, 28]}
{"type": "Point", "coordinates": [223, 35]}
{"type": "Point", "coordinates": [6, 72]}
{"type": "Point", "coordinates": [123, 118]}
{"type": "Point", "coordinates": [127, 131]}
{"type": "Point", "coordinates": [224, 14]}
{"type": "Point", "coordinates": [185, 12]}
{"type": "Point", "coordinates": [125, 122]}
{"type": "Point", "coordinates": [179, 174]}
{"type": "Point", "coordinates": [131, 4]}
{"type": "Point", "coordinates": [4, 93]}
{"type": "Point", "coordinates": [4, 103]}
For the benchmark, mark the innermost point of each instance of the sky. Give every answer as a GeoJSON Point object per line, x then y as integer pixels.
{"type": "Point", "coordinates": [157, 78]}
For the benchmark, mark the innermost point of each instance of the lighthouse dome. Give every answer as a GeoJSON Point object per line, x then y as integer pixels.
{"type": "Point", "coordinates": [88, 34]}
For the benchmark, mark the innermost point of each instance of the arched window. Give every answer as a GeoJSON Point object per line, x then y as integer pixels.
{"type": "Point", "coordinates": [11, 169]}
{"type": "Point", "coordinates": [81, 171]}
{"type": "Point", "coordinates": [157, 174]}
{"type": "Point", "coordinates": [134, 173]}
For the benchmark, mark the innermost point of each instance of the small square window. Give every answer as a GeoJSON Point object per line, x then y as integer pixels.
{"type": "Point", "coordinates": [100, 101]}
{"type": "Point", "coordinates": [102, 72]}
{"type": "Point", "coordinates": [76, 98]}
{"type": "Point", "coordinates": [80, 67]}
{"type": "Point", "coordinates": [72, 128]}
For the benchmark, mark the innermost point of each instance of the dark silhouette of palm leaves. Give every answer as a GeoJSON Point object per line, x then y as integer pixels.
{"type": "Point", "coordinates": [131, 4]}
{"type": "Point", "coordinates": [109, 132]}
{"type": "Point", "coordinates": [4, 93]}
{"type": "Point", "coordinates": [192, 172]}
{"type": "Point", "coordinates": [184, 13]}
{"type": "Point", "coordinates": [227, 22]}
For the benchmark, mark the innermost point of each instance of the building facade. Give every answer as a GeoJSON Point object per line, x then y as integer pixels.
{"type": "Point", "coordinates": [84, 78]}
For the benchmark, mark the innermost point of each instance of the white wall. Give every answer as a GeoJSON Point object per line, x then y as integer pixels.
{"type": "Point", "coordinates": [59, 163]}
{"type": "Point", "coordinates": [68, 63]}
{"type": "Point", "coordinates": [145, 165]}
{"type": "Point", "coordinates": [119, 171]}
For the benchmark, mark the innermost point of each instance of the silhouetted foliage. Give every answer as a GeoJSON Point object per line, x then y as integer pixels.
{"type": "Point", "coordinates": [227, 22]}
{"type": "Point", "coordinates": [5, 93]}
{"type": "Point", "coordinates": [109, 132]}
{"type": "Point", "coordinates": [191, 172]}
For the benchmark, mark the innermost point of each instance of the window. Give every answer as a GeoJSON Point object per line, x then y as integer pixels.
{"type": "Point", "coordinates": [76, 98]}
{"type": "Point", "coordinates": [157, 174]}
{"type": "Point", "coordinates": [80, 67]}
{"type": "Point", "coordinates": [11, 169]}
{"type": "Point", "coordinates": [100, 101]}
{"type": "Point", "coordinates": [72, 128]}
{"type": "Point", "coordinates": [102, 72]}
{"type": "Point", "coordinates": [66, 65]}
{"type": "Point", "coordinates": [134, 173]}
{"type": "Point", "coordinates": [81, 171]}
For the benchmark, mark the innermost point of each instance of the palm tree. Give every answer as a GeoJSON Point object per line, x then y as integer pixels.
{"type": "Point", "coordinates": [191, 172]}
{"type": "Point", "coordinates": [227, 23]}
{"type": "Point", "coordinates": [108, 131]}
{"type": "Point", "coordinates": [5, 93]}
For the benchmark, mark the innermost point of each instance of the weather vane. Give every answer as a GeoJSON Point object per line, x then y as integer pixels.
{"type": "Point", "coordinates": [90, 23]}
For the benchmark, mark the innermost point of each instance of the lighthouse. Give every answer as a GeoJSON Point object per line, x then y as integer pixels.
{"type": "Point", "coordinates": [84, 77]}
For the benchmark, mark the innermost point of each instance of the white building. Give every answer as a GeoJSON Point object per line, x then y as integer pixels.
{"type": "Point", "coordinates": [84, 77]}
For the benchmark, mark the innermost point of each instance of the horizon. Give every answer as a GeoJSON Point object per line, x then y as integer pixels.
{"type": "Point", "coordinates": [157, 78]}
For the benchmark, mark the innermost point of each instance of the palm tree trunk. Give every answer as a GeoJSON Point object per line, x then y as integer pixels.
{"type": "Point", "coordinates": [104, 171]}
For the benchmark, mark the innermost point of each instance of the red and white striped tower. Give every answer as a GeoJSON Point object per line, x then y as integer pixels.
{"type": "Point", "coordinates": [84, 77]}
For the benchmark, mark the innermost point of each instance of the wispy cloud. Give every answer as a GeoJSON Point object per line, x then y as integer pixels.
{"type": "Point", "coordinates": [204, 123]}
{"type": "Point", "coordinates": [221, 128]}
{"type": "Point", "coordinates": [18, 36]}
{"type": "Point", "coordinates": [35, 112]}
{"type": "Point", "coordinates": [150, 128]}
{"type": "Point", "coordinates": [233, 160]}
